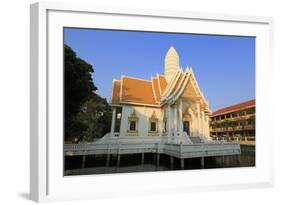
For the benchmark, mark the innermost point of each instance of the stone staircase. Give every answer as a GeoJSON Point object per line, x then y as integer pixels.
{"type": "Point", "coordinates": [196, 140]}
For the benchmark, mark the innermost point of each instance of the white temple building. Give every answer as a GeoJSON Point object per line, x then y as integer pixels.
{"type": "Point", "coordinates": [169, 106]}
{"type": "Point", "coordinates": [167, 114]}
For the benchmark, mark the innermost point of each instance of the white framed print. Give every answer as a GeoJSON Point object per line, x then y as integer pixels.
{"type": "Point", "coordinates": [132, 102]}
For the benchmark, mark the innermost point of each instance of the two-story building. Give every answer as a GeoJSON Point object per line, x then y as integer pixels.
{"type": "Point", "coordinates": [236, 122]}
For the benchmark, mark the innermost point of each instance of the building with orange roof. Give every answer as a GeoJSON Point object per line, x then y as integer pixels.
{"type": "Point", "coordinates": [234, 123]}
{"type": "Point", "coordinates": [167, 114]}
{"type": "Point", "coordinates": [169, 105]}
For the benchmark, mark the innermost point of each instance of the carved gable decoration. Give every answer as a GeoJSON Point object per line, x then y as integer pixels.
{"type": "Point", "coordinates": [133, 115]}
{"type": "Point", "coordinates": [190, 90]}
{"type": "Point", "coordinates": [153, 116]}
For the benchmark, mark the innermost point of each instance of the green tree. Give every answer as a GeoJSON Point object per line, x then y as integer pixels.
{"type": "Point", "coordinates": [79, 87]}
{"type": "Point", "coordinates": [87, 115]}
{"type": "Point", "coordinates": [96, 114]}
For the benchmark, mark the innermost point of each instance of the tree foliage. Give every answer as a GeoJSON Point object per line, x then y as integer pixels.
{"type": "Point", "coordinates": [82, 105]}
{"type": "Point", "coordinates": [95, 113]}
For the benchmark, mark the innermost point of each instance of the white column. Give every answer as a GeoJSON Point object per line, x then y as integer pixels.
{"type": "Point", "coordinates": [126, 112]}
{"type": "Point", "coordinates": [198, 119]}
{"type": "Point", "coordinates": [180, 121]}
{"type": "Point", "coordinates": [207, 127]}
{"type": "Point", "coordinates": [192, 125]}
{"type": "Point", "coordinates": [143, 124]}
{"type": "Point", "coordinates": [113, 122]}
{"type": "Point", "coordinates": [203, 124]}
{"type": "Point", "coordinates": [161, 122]}
{"type": "Point", "coordinates": [175, 120]}
{"type": "Point", "coordinates": [169, 120]}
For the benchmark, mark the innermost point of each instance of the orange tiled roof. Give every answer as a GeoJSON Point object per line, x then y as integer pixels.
{"type": "Point", "coordinates": [138, 91]}
{"type": "Point", "coordinates": [235, 107]}
{"type": "Point", "coordinates": [163, 83]}
{"type": "Point", "coordinates": [156, 89]}
{"type": "Point", "coordinates": [116, 92]}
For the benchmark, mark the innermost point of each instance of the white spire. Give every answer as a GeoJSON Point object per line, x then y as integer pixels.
{"type": "Point", "coordinates": [171, 63]}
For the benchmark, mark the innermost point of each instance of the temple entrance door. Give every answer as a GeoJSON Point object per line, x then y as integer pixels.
{"type": "Point", "coordinates": [186, 127]}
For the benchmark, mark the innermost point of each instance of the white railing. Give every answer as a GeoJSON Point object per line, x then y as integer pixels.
{"type": "Point", "coordinates": [202, 150]}
{"type": "Point", "coordinates": [120, 148]}
{"type": "Point", "coordinates": [172, 149]}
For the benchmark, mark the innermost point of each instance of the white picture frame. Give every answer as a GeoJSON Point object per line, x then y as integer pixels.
{"type": "Point", "coordinates": [47, 182]}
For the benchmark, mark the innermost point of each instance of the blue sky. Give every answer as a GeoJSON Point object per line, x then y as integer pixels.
{"type": "Point", "coordinates": [223, 65]}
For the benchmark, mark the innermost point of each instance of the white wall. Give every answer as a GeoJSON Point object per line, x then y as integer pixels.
{"type": "Point", "coordinates": [143, 114]}
{"type": "Point", "coordinates": [14, 103]}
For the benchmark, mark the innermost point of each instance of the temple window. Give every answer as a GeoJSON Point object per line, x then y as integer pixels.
{"type": "Point", "coordinates": [133, 124]}
{"type": "Point", "coordinates": [153, 124]}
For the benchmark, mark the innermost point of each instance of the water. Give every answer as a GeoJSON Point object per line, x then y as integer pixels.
{"type": "Point", "coordinates": [132, 163]}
